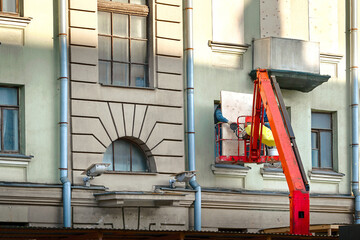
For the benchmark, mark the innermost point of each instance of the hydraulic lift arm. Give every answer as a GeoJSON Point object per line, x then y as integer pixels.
{"type": "Point", "coordinates": [267, 96]}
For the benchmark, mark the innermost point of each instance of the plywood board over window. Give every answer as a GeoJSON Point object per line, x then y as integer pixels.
{"type": "Point", "coordinates": [233, 105]}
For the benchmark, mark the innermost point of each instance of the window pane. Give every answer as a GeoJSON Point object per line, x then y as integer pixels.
{"type": "Point", "coordinates": [138, 27]}
{"type": "Point", "coordinates": [104, 48]}
{"type": "Point", "coordinates": [8, 96]}
{"type": "Point", "coordinates": [122, 155]}
{"type": "Point", "coordinates": [9, 6]}
{"type": "Point", "coordinates": [104, 23]}
{"type": "Point", "coordinates": [315, 158]}
{"type": "Point", "coordinates": [108, 157]}
{"type": "Point", "coordinates": [325, 149]}
{"type": "Point", "coordinates": [121, 50]}
{"type": "Point", "coordinates": [321, 120]}
{"type": "Point", "coordinates": [314, 141]}
{"type": "Point", "coordinates": [138, 51]}
{"type": "Point", "coordinates": [120, 74]}
{"type": "Point", "coordinates": [138, 160]}
{"type": "Point", "coordinates": [142, 2]}
{"type": "Point", "coordinates": [138, 75]}
{"type": "Point", "coordinates": [121, 25]}
{"type": "Point", "coordinates": [11, 130]}
{"type": "Point", "coordinates": [104, 72]}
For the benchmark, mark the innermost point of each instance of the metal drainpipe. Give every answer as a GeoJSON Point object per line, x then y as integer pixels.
{"type": "Point", "coordinates": [64, 114]}
{"type": "Point", "coordinates": [354, 107]}
{"type": "Point", "coordinates": [190, 109]}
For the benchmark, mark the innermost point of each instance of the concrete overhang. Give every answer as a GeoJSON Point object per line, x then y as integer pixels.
{"type": "Point", "coordinates": [144, 199]}
{"type": "Point", "coordinates": [295, 63]}
{"type": "Point", "coordinates": [293, 80]}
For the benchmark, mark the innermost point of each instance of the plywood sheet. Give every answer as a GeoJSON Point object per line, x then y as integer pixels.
{"type": "Point", "coordinates": [233, 105]}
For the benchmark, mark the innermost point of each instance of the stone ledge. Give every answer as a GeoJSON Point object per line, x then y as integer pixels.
{"type": "Point", "coordinates": [325, 176]}
{"type": "Point", "coordinates": [229, 170]}
{"type": "Point", "coordinates": [330, 57]}
{"type": "Point", "coordinates": [144, 199]}
{"type": "Point", "coordinates": [272, 173]}
{"type": "Point", "coordinates": [14, 21]}
{"type": "Point", "coordinates": [230, 48]}
{"type": "Point", "coordinates": [14, 160]}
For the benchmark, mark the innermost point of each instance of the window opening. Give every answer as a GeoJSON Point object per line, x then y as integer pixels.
{"type": "Point", "coordinates": [123, 43]}
{"type": "Point", "coordinates": [9, 119]}
{"type": "Point", "coordinates": [126, 156]}
{"type": "Point", "coordinates": [321, 140]}
{"type": "Point", "coordinates": [10, 7]}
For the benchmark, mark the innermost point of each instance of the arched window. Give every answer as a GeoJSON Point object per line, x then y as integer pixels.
{"type": "Point", "coordinates": [126, 156]}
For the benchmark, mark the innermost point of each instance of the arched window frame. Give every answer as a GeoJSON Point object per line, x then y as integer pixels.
{"type": "Point", "coordinates": [149, 161]}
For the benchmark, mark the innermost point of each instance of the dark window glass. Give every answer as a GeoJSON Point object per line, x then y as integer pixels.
{"type": "Point", "coordinates": [126, 156]}
{"type": "Point", "coordinates": [321, 140]}
{"type": "Point", "coordinates": [9, 6]}
{"type": "Point", "coordinates": [123, 48]}
{"type": "Point", "coordinates": [9, 119]}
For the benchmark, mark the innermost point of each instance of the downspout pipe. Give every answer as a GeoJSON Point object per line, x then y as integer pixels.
{"type": "Point", "coordinates": [189, 50]}
{"type": "Point", "coordinates": [354, 107]}
{"type": "Point", "coordinates": [64, 114]}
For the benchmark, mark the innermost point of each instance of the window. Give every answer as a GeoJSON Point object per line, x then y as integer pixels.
{"type": "Point", "coordinates": [125, 155]}
{"type": "Point", "coordinates": [123, 43]}
{"type": "Point", "coordinates": [321, 140]}
{"type": "Point", "coordinates": [10, 7]}
{"type": "Point", "coordinates": [9, 118]}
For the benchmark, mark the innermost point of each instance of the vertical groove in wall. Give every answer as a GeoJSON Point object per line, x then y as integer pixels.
{"type": "Point", "coordinates": [133, 126]}
{"type": "Point", "coordinates": [143, 121]}
{"type": "Point", "coordinates": [122, 106]}
{"type": "Point", "coordinates": [113, 120]}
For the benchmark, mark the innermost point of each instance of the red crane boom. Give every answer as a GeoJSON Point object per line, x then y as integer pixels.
{"type": "Point", "coordinates": [267, 97]}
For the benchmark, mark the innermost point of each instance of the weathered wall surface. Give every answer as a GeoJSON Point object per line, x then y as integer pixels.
{"type": "Point", "coordinates": [28, 60]}
{"type": "Point", "coordinates": [102, 114]}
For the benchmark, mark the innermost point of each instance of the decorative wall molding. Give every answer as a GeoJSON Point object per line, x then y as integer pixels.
{"type": "Point", "coordinates": [325, 176]}
{"type": "Point", "coordinates": [230, 170]}
{"type": "Point", "coordinates": [15, 160]}
{"type": "Point", "coordinates": [230, 48]}
{"type": "Point", "coordinates": [330, 58]}
{"type": "Point", "coordinates": [272, 173]}
{"type": "Point", "coordinates": [13, 21]}
{"type": "Point", "coordinates": [145, 199]}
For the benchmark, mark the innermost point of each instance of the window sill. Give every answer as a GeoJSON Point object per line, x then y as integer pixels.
{"type": "Point", "coordinates": [325, 176]}
{"type": "Point", "coordinates": [231, 48]}
{"type": "Point", "coordinates": [230, 170]}
{"type": "Point", "coordinates": [15, 160]}
{"type": "Point", "coordinates": [14, 20]}
{"type": "Point", "coordinates": [144, 88]}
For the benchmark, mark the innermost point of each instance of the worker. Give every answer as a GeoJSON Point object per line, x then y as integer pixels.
{"type": "Point", "coordinates": [218, 119]}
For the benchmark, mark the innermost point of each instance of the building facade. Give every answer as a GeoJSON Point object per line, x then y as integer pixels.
{"type": "Point", "coordinates": [127, 109]}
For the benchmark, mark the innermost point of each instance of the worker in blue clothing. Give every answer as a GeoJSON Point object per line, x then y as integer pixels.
{"type": "Point", "coordinates": [219, 118]}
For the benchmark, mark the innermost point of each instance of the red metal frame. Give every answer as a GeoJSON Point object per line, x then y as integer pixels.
{"type": "Point", "coordinates": [240, 158]}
